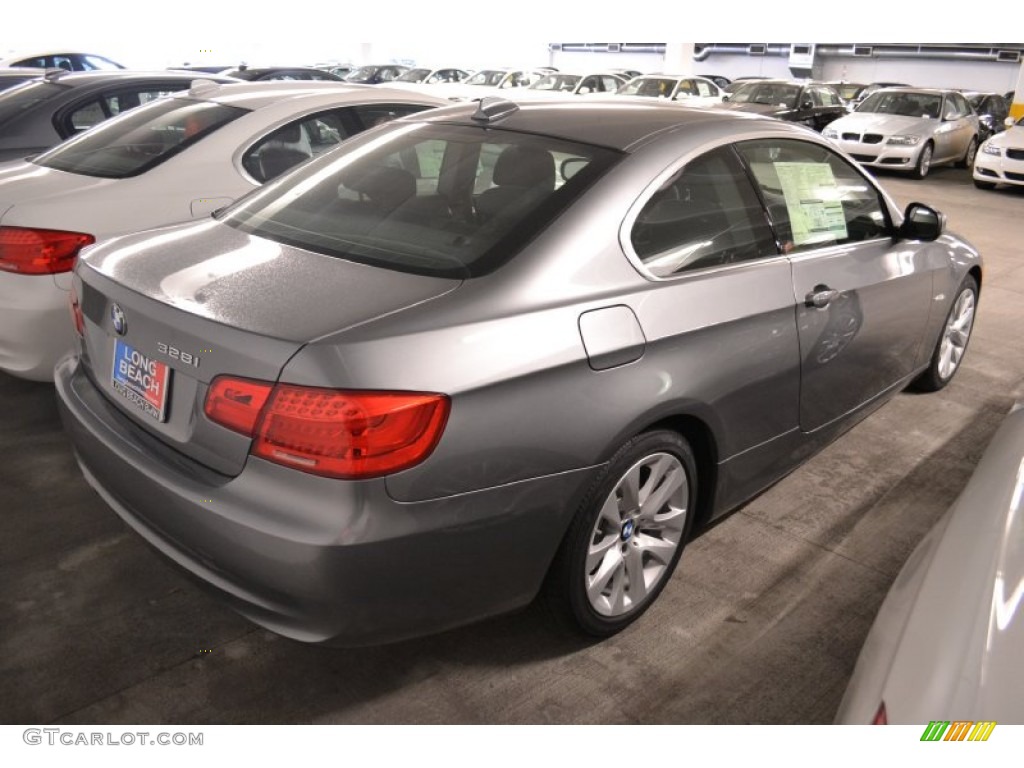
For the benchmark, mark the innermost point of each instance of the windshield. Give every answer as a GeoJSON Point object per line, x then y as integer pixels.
{"type": "Point", "coordinates": [556, 83]}
{"type": "Point", "coordinates": [849, 91]}
{"type": "Point", "coordinates": [648, 86]}
{"type": "Point", "coordinates": [903, 103]}
{"type": "Point", "coordinates": [20, 98]}
{"type": "Point", "coordinates": [139, 140]}
{"type": "Point", "coordinates": [440, 200]}
{"type": "Point", "coordinates": [413, 76]}
{"type": "Point", "coordinates": [774, 94]}
{"type": "Point", "coordinates": [489, 77]}
{"type": "Point", "coordinates": [363, 73]}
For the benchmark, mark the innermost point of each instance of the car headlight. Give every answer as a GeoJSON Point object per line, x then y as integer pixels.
{"type": "Point", "coordinates": [905, 141]}
{"type": "Point", "coordinates": [830, 133]}
{"type": "Point", "coordinates": [991, 149]}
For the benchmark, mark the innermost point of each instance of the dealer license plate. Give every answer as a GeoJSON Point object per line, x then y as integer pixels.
{"type": "Point", "coordinates": [141, 380]}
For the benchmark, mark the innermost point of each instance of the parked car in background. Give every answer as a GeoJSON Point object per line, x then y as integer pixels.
{"type": "Point", "coordinates": [253, 74]}
{"type": "Point", "coordinates": [209, 69]}
{"type": "Point", "coordinates": [13, 76]}
{"type": "Point", "coordinates": [372, 74]}
{"type": "Point", "coordinates": [948, 640]}
{"type": "Point", "coordinates": [693, 91]}
{"type": "Point", "coordinates": [812, 104]}
{"type": "Point", "coordinates": [427, 76]}
{"type": "Point", "coordinates": [38, 114]}
{"type": "Point", "coordinates": [992, 111]}
{"type": "Point", "coordinates": [558, 84]}
{"type": "Point", "coordinates": [909, 130]}
{"type": "Point", "coordinates": [67, 60]}
{"type": "Point", "coordinates": [1001, 159]}
{"type": "Point", "coordinates": [628, 74]}
{"type": "Point", "coordinates": [491, 351]}
{"type": "Point", "coordinates": [848, 92]}
{"type": "Point", "coordinates": [173, 160]}
{"type": "Point", "coordinates": [738, 81]}
{"type": "Point", "coordinates": [718, 80]}
{"type": "Point", "coordinates": [490, 82]}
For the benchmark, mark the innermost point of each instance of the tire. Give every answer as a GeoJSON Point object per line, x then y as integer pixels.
{"type": "Point", "coordinates": [984, 184]}
{"type": "Point", "coordinates": [924, 161]}
{"type": "Point", "coordinates": [968, 158]}
{"type": "Point", "coordinates": [617, 556]}
{"type": "Point", "coordinates": [952, 344]}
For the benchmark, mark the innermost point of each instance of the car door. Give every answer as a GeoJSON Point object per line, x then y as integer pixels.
{"type": "Point", "coordinates": [952, 137]}
{"type": "Point", "coordinates": [830, 107]}
{"type": "Point", "coordinates": [861, 298]}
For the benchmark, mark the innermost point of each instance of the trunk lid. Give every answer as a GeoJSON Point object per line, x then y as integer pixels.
{"type": "Point", "coordinates": [187, 303]}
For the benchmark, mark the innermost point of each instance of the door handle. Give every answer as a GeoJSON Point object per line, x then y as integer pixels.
{"type": "Point", "coordinates": [821, 296]}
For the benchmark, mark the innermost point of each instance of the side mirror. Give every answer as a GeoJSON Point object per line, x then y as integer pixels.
{"type": "Point", "coordinates": [725, 97]}
{"type": "Point", "coordinates": [922, 222]}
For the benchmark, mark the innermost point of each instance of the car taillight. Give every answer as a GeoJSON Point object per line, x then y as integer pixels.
{"type": "Point", "coordinates": [880, 717]}
{"type": "Point", "coordinates": [351, 435]}
{"type": "Point", "coordinates": [77, 319]}
{"type": "Point", "coordinates": [40, 251]}
{"type": "Point", "coordinates": [236, 403]}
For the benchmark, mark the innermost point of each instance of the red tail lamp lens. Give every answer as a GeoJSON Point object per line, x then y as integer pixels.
{"type": "Point", "coordinates": [335, 433]}
{"type": "Point", "coordinates": [236, 403]}
{"type": "Point", "coordinates": [880, 716]}
{"type": "Point", "coordinates": [40, 251]}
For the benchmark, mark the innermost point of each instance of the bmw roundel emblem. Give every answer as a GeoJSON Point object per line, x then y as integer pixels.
{"type": "Point", "coordinates": [118, 318]}
{"type": "Point", "coordinates": [627, 530]}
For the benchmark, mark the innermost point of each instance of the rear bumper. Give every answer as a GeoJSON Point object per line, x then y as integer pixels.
{"type": "Point", "coordinates": [35, 325]}
{"type": "Point", "coordinates": [314, 559]}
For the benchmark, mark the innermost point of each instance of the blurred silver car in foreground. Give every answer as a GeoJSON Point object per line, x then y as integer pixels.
{"type": "Point", "coordinates": [494, 348]}
{"type": "Point", "coordinates": [909, 130]}
{"type": "Point", "coordinates": [948, 642]}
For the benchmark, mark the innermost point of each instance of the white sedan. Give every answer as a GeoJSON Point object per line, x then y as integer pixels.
{"type": "Point", "coordinates": [948, 642]}
{"type": "Point", "coordinates": [690, 90]}
{"type": "Point", "coordinates": [1001, 159]}
{"type": "Point", "coordinates": [178, 158]}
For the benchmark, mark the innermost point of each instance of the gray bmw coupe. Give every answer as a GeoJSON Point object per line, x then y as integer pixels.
{"type": "Point", "coordinates": [495, 350]}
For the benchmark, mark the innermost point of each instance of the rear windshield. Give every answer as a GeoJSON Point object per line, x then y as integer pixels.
{"type": "Point", "coordinates": [14, 101]}
{"type": "Point", "coordinates": [139, 140]}
{"type": "Point", "coordinates": [439, 200]}
{"type": "Point", "coordinates": [413, 76]}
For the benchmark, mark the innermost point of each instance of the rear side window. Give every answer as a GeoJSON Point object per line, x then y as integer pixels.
{"type": "Point", "coordinates": [139, 140]}
{"type": "Point", "coordinates": [297, 142]}
{"type": "Point", "coordinates": [815, 198]}
{"type": "Point", "coordinates": [440, 200]}
{"type": "Point", "coordinates": [706, 215]}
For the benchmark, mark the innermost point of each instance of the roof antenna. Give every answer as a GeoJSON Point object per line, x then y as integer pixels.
{"type": "Point", "coordinates": [493, 108]}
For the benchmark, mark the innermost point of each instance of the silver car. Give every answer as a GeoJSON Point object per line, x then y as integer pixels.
{"type": "Point", "coordinates": [909, 130]}
{"type": "Point", "coordinates": [497, 350]}
{"type": "Point", "coordinates": [948, 640]}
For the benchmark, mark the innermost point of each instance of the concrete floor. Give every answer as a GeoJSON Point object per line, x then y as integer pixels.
{"type": "Point", "coordinates": [761, 623]}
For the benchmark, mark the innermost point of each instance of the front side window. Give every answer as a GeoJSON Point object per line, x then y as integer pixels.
{"type": "Point", "coordinates": [139, 140]}
{"type": "Point", "coordinates": [488, 77]}
{"type": "Point", "coordinates": [815, 198]}
{"type": "Point", "coordinates": [706, 215]}
{"type": "Point", "coordinates": [438, 200]}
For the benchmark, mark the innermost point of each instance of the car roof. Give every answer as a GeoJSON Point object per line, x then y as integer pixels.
{"type": "Point", "coordinates": [617, 122]}
{"type": "Point", "coordinates": [33, 54]}
{"type": "Point", "coordinates": [260, 94]}
{"type": "Point", "coordinates": [926, 91]}
{"type": "Point", "coordinates": [105, 76]}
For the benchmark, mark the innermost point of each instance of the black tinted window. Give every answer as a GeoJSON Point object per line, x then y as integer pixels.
{"type": "Point", "coordinates": [436, 200]}
{"type": "Point", "coordinates": [706, 215]}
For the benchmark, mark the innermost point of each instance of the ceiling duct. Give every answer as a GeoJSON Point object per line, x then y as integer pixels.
{"type": "Point", "coordinates": [956, 52]}
{"type": "Point", "coordinates": [608, 47]}
{"type": "Point", "coordinates": [702, 50]}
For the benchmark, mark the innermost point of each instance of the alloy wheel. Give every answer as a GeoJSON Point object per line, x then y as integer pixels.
{"type": "Point", "coordinates": [957, 334]}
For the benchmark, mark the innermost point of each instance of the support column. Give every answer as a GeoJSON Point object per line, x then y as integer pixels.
{"type": "Point", "coordinates": [1017, 108]}
{"type": "Point", "coordinates": [679, 58]}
